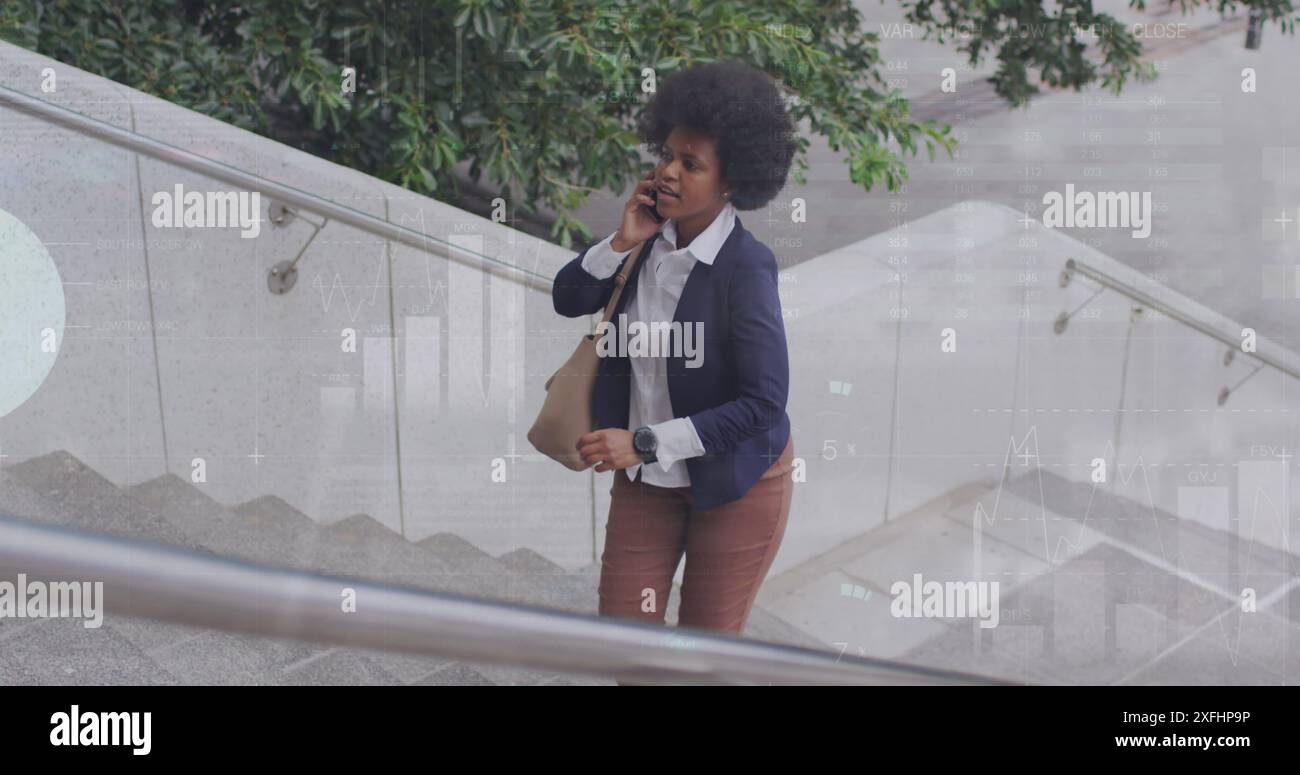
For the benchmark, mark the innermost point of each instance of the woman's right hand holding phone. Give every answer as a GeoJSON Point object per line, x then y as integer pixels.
{"type": "Point", "coordinates": [638, 223]}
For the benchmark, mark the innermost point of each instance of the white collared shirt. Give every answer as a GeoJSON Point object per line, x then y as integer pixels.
{"type": "Point", "coordinates": [657, 292]}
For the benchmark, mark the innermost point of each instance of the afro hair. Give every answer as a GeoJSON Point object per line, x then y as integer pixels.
{"type": "Point", "coordinates": [739, 107]}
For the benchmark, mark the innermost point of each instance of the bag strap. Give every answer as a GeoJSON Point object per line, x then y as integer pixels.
{"type": "Point", "coordinates": [620, 279]}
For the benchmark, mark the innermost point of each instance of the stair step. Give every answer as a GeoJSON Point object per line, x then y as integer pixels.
{"type": "Point", "coordinates": [58, 489]}
{"type": "Point", "coordinates": [363, 547]}
{"type": "Point", "coordinates": [1203, 551]}
{"type": "Point", "coordinates": [87, 501]}
{"type": "Point", "coordinates": [455, 674]}
{"type": "Point", "coordinates": [406, 668]}
{"type": "Point", "coordinates": [63, 652]}
{"type": "Point", "coordinates": [272, 517]}
{"type": "Point", "coordinates": [525, 560]}
{"type": "Point", "coordinates": [268, 530]}
{"type": "Point", "coordinates": [537, 584]}
{"type": "Point", "coordinates": [337, 667]}
{"type": "Point", "coordinates": [209, 523]}
{"type": "Point", "coordinates": [365, 543]}
{"type": "Point", "coordinates": [191, 654]}
{"type": "Point", "coordinates": [357, 546]}
{"type": "Point", "coordinates": [452, 545]}
{"type": "Point", "coordinates": [1133, 594]}
{"type": "Point", "coordinates": [574, 680]}
{"type": "Point", "coordinates": [20, 501]}
{"type": "Point", "coordinates": [510, 675]}
{"type": "Point", "coordinates": [217, 658]}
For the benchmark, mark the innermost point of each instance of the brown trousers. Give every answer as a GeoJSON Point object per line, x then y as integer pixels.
{"type": "Point", "coordinates": [728, 549]}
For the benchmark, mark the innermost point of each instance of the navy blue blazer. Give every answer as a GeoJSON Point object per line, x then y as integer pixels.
{"type": "Point", "coordinates": [736, 397]}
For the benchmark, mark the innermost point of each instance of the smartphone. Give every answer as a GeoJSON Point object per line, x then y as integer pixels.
{"type": "Point", "coordinates": [654, 209]}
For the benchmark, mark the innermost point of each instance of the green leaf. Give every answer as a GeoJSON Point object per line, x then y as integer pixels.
{"type": "Point", "coordinates": [432, 76]}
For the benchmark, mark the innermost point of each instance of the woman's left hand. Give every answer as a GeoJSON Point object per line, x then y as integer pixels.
{"type": "Point", "coordinates": [611, 448]}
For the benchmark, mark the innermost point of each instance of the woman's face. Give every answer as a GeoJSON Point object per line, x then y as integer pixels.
{"type": "Point", "coordinates": [689, 167]}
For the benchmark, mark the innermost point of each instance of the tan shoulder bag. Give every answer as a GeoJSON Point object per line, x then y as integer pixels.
{"type": "Point", "coordinates": [566, 414]}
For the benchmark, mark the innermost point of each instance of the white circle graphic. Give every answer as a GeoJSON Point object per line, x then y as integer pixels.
{"type": "Point", "coordinates": [31, 313]}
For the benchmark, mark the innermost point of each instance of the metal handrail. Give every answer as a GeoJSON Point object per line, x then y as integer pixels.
{"type": "Point", "coordinates": [1074, 265]}
{"type": "Point", "coordinates": [125, 138]}
{"type": "Point", "coordinates": [177, 585]}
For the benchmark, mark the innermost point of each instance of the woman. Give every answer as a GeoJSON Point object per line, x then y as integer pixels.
{"type": "Point", "coordinates": [699, 441]}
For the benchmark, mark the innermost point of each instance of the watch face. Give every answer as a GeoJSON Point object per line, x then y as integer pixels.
{"type": "Point", "coordinates": [642, 440]}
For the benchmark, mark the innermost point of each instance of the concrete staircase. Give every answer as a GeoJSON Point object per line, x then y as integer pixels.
{"type": "Point", "coordinates": [58, 489]}
{"type": "Point", "coordinates": [1095, 588]}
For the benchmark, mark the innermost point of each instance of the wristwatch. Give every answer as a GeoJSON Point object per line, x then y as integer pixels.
{"type": "Point", "coordinates": [645, 444]}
